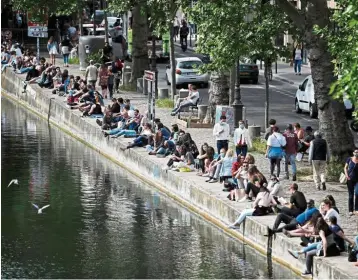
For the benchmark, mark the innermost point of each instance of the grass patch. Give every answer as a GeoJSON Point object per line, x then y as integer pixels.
{"type": "Point", "coordinates": [75, 60]}
{"type": "Point", "coordinates": [164, 103]}
{"type": "Point", "coordinates": [258, 145]}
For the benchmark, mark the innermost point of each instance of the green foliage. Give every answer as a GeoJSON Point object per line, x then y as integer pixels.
{"type": "Point", "coordinates": [96, 57]}
{"type": "Point", "coordinates": [343, 44]}
{"type": "Point", "coordinates": [235, 29]}
{"type": "Point", "coordinates": [75, 60]}
{"type": "Point", "coordinates": [164, 103]}
{"type": "Point", "coordinates": [258, 145]}
{"type": "Point", "coordinates": [55, 7]}
{"type": "Point", "coordinates": [334, 169]}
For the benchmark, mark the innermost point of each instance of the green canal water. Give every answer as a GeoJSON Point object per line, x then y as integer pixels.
{"type": "Point", "coordinates": [102, 222]}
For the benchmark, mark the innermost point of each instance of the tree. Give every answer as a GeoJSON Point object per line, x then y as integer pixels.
{"type": "Point", "coordinates": [332, 119]}
{"type": "Point", "coordinates": [343, 43]}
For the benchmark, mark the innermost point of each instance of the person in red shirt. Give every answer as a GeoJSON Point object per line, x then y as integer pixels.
{"type": "Point", "coordinates": [291, 150]}
{"type": "Point", "coordinates": [237, 164]}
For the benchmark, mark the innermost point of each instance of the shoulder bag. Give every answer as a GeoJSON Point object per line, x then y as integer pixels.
{"type": "Point", "coordinates": [275, 152]}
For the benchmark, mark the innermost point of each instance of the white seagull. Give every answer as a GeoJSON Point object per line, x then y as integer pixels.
{"type": "Point", "coordinates": [40, 209]}
{"type": "Point", "coordinates": [13, 181]}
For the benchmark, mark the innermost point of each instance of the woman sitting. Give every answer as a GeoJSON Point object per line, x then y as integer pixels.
{"type": "Point", "coordinates": [92, 109]}
{"type": "Point", "coordinates": [156, 143]}
{"type": "Point", "coordinates": [206, 160]}
{"type": "Point", "coordinates": [215, 167]}
{"type": "Point", "coordinates": [261, 206]}
{"type": "Point", "coordinates": [239, 181]}
{"type": "Point", "coordinates": [327, 248]}
{"type": "Point", "coordinates": [143, 138]}
{"type": "Point", "coordinates": [186, 161]}
{"type": "Point", "coordinates": [328, 211]}
{"type": "Point", "coordinates": [185, 139]}
{"type": "Point", "coordinates": [250, 160]}
{"type": "Point", "coordinates": [201, 157]}
{"type": "Point", "coordinates": [253, 175]}
{"type": "Point", "coordinates": [306, 230]}
{"type": "Point", "coordinates": [226, 166]}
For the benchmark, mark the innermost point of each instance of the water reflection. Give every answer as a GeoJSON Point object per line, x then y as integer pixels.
{"type": "Point", "coordinates": [102, 223]}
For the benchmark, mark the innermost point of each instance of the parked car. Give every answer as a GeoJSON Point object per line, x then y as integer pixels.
{"type": "Point", "coordinates": [305, 99]}
{"type": "Point", "coordinates": [249, 71]}
{"type": "Point", "coordinates": [187, 72]}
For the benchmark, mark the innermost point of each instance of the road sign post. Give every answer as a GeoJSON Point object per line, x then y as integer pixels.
{"type": "Point", "coordinates": [150, 77]}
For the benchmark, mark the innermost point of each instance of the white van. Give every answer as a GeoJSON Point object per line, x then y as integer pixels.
{"type": "Point", "coordinates": [305, 99]}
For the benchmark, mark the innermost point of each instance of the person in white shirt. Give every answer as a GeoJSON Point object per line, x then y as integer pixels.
{"type": "Point", "coordinates": [242, 139]}
{"type": "Point", "coordinates": [261, 206]}
{"type": "Point", "coordinates": [221, 132]}
{"type": "Point", "coordinates": [274, 187]}
{"type": "Point", "coordinates": [274, 150]}
{"type": "Point", "coordinates": [91, 74]}
{"type": "Point", "coordinates": [297, 58]}
{"type": "Point", "coordinates": [328, 211]}
{"type": "Point", "coordinates": [191, 100]}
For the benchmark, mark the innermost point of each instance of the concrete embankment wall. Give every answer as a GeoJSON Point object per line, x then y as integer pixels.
{"type": "Point", "coordinates": [179, 186]}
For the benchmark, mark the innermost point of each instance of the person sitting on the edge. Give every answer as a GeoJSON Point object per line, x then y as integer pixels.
{"type": "Point", "coordinates": [190, 100]}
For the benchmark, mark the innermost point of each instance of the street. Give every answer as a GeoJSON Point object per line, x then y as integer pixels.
{"type": "Point", "coordinates": [282, 96]}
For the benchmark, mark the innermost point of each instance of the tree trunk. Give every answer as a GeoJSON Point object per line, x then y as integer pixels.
{"type": "Point", "coordinates": [218, 94]}
{"type": "Point", "coordinates": [331, 113]}
{"type": "Point", "coordinates": [173, 85]}
{"type": "Point", "coordinates": [232, 83]}
{"type": "Point", "coordinates": [140, 37]}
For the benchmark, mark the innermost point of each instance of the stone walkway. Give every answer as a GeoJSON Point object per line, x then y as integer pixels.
{"type": "Point", "coordinates": [200, 136]}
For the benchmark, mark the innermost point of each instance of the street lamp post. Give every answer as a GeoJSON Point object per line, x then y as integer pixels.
{"type": "Point", "coordinates": [153, 66]}
{"type": "Point", "coordinates": [237, 104]}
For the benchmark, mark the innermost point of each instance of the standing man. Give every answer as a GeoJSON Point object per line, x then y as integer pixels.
{"type": "Point", "coordinates": [222, 132]}
{"type": "Point", "coordinates": [319, 158]}
{"type": "Point", "coordinates": [184, 32]}
{"type": "Point", "coordinates": [291, 151]}
{"type": "Point", "coordinates": [269, 131]}
{"type": "Point", "coordinates": [91, 74]}
{"type": "Point", "coordinates": [242, 139]}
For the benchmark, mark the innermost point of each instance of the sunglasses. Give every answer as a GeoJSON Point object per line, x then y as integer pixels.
{"type": "Point", "coordinates": [244, 165]}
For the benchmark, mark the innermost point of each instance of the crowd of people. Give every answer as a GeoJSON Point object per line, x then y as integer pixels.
{"type": "Point", "coordinates": [233, 168]}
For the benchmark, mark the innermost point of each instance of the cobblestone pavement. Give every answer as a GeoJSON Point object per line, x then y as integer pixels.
{"type": "Point", "coordinates": [202, 135]}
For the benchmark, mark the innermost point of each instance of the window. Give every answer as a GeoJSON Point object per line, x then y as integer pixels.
{"type": "Point", "coordinates": [191, 64]}
{"type": "Point", "coordinates": [303, 86]}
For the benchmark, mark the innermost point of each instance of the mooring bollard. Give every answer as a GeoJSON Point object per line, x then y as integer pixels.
{"type": "Point", "coordinates": [254, 131]}
{"type": "Point", "coordinates": [163, 93]}
{"type": "Point", "coordinates": [140, 85]}
{"type": "Point", "coordinates": [202, 109]}
{"type": "Point", "coordinates": [126, 78]}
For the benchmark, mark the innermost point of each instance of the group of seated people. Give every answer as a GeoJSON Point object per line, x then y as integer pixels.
{"type": "Point", "coordinates": [319, 229]}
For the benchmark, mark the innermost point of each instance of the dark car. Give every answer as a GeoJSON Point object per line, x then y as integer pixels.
{"type": "Point", "coordinates": [249, 71]}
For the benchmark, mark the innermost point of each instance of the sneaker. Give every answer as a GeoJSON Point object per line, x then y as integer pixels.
{"type": "Point", "coordinates": [213, 180]}
{"type": "Point", "coordinates": [324, 186]}
{"type": "Point", "coordinates": [99, 122]}
{"type": "Point", "coordinates": [293, 253]}
{"type": "Point", "coordinates": [243, 199]}
{"type": "Point", "coordinates": [350, 214]}
{"type": "Point", "coordinates": [306, 274]}
{"type": "Point", "coordinates": [206, 175]}
{"type": "Point", "coordinates": [294, 177]}
{"type": "Point", "coordinates": [208, 180]}
{"type": "Point", "coordinates": [233, 227]}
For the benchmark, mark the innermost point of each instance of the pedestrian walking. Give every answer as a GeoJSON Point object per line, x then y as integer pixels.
{"type": "Point", "coordinates": [242, 139]}
{"type": "Point", "coordinates": [221, 132]}
{"type": "Point", "coordinates": [274, 151]}
{"type": "Point", "coordinates": [110, 82]}
{"type": "Point", "coordinates": [269, 131]}
{"type": "Point", "coordinates": [176, 28]}
{"type": "Point", "coordinates": [66, 50]}
{"type": "Point", "coordinates": [103, 79]}
{"type": "Point", "coordinates": [52, 49]}
{"type": "Point", "coordinates": [91, 74]}
{"type": "Point", "coordinates": [297, 58]}
{"type": "Point", "coordinates": [319, 158]}
{"type": "Point", "coordinates": [184, 32]}
{"type": "Point", "coordinates": [351, 172]}
{"type": "Point", "coordinates": [290, 151]}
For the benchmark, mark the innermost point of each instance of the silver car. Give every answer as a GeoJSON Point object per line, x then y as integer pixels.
{"type": "Point", "coordinates": [187, 72]}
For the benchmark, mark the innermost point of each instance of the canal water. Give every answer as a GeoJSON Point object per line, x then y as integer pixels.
{"type": "Point", "coordinates": [102, 222]}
